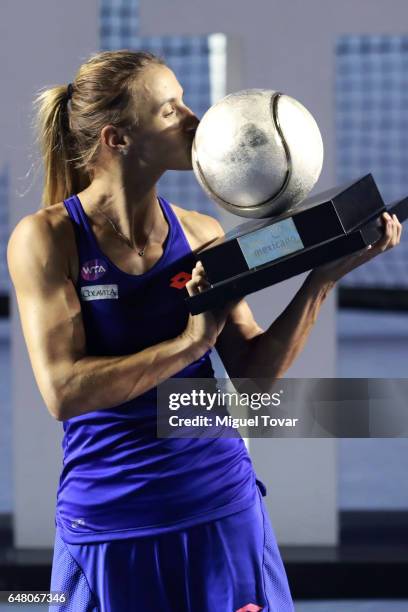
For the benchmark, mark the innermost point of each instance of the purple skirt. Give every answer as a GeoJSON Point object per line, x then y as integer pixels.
{"type": "Point", "coordinates": [232, 564]}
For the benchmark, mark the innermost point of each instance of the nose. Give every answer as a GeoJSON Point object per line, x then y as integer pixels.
{"type": "Point", "coordinates": [191, 121]}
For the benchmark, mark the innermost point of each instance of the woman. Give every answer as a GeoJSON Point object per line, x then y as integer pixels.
{"type": "Point", "coordinates": [144, 522]}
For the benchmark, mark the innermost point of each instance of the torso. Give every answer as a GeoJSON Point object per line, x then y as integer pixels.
{"type": "Point", "coordinates": [198, 229]}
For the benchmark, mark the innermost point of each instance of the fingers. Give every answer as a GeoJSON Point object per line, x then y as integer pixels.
{"type": "Point", "coordinates": [200, 277]}
{"type": "Point", "coordinates": [391, 236]}
{"type": "Point", "coordinates": [398, 229]}
{"type": "Point", "coordinates": [388, 232]}
{"type": "Point", "coordinates": [198, 282]}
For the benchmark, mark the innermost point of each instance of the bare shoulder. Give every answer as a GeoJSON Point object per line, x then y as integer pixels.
{"type": "Point", "coordinates": [57, 219]}
{"type": "Point", "coordinates": [39, 234]}
{"type": "Point", "coordinates": [50, 221]}
{"type": "Point", "coordinates": [199, 228]}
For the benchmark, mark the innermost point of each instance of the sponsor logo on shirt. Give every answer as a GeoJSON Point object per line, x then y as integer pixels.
{"type": "Point", "coordinates": [93, 269]}
{"type": "Point", "coordinates": [250, 607]}
{"type": "Point", "coordinates": [180, 280]}
{"type": "Point", "coordinates": [99, 292]}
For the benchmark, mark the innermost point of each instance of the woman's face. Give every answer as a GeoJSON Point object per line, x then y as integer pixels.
{"type": "Point", "coordinates": [166, 126]}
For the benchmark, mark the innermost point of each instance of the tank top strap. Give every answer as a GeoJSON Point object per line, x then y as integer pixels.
{"type": "Point", "coordinates": [78, 215]}
{"type": "Point", "coordinates": [178, 234]}
{"type": "Point", "coordinates": [76, 211]}
{"type": "Point", "coordinates": [86, 246]}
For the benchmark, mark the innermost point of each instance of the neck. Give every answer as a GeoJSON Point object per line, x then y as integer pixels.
{"type": "Point", "coordinates": [134, 212]}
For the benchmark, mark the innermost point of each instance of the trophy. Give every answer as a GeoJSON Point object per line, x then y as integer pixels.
{"type": "Point", "coordinates": [258, 153]}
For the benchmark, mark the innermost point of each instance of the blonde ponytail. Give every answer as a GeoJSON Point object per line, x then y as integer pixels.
{"type": "Point", "coordinates": [61, 176]}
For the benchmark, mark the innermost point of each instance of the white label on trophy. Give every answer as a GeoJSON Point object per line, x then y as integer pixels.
{"type": "Point", "coordinates": [270, 243]}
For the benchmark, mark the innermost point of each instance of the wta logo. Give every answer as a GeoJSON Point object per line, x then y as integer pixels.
{"type": "Point", "coordinates": [93, 269]}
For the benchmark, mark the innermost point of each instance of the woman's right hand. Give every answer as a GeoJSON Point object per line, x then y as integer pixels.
{"type": "Point", "coordinates": [205, 327]}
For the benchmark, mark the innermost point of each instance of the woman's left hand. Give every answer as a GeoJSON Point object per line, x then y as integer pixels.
{"type": "Point", "coordinates": [334, 270]}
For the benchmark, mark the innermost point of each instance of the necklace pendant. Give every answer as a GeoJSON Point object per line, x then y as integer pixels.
{"type": "Point", "coordinates": [141, 253]}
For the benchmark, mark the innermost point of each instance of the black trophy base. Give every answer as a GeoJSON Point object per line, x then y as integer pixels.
{"type": "Point", "coordinates": [241, 282]}
{"type": "Point", "coordinates": [318, 219]}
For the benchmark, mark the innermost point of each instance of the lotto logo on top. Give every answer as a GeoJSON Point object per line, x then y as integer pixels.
{"type": "Point", "coordinates": [93, 269]}
{"type": "Point", "coordinates": [180, 280]}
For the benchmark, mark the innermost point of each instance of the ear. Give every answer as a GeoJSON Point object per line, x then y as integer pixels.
{"type": "Point", "coordinates": [114, 138]}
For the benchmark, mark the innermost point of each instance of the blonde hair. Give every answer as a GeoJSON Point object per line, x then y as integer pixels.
{"type": "Point", "coordinates": [68, 128]}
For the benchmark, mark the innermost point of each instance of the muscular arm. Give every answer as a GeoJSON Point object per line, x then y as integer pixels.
{"type": "Point", "coordinates": [70, 382]}
{"type": "Point", "coordinates": [247, 351]}
{"type": "Point", "coordinates": [270, 354]}
{"type": "Point", "coordinates": [95, 383]}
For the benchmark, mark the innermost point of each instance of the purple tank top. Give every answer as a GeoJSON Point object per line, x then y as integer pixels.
{"type": "Point", "coordinates": [118, 478]}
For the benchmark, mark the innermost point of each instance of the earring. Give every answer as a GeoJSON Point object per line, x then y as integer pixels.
{"type": "Point", "coordinates": [124, 151]}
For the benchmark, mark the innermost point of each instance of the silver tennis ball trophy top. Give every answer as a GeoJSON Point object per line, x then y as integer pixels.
{"type": "Point", "coordinates": [258, 153]}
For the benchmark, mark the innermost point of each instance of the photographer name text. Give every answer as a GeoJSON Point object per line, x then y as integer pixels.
{"type": "Point", "coordinates": [229, 421]}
